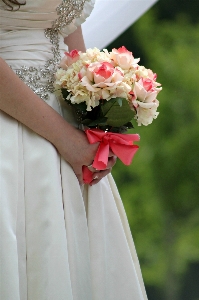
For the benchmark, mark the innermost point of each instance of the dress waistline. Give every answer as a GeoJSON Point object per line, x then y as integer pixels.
{"type": "Point", "coordinates": [34, 58]}
{"type": "Point", "coordinates": [32, 46]}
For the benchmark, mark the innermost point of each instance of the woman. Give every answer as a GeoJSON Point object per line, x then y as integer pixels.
{"type": "Point", "coordinates": [60, 239]}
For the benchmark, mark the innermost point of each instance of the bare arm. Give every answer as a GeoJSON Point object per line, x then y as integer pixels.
{"type": "Point", "coordinates": [75, 40]}
{"type": "Point", "coordinates": [21, 103]}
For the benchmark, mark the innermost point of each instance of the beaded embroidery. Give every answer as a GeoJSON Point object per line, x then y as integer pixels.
{"type": "Point", "coordinates": [41, 79]}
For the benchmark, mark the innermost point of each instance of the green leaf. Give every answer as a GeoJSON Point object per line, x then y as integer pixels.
{"type": "Point", "coordinates": [99, 121]}
{"type": "Point", "coordinates": [80, 106]}
{"type": "Point", "coordinates": [117, 115]}
{"type": "Point", "coordinates": [129, 125]}
{"type": "Point", "coordinates": [86, 121]}
{"type": "Point", "coordinates": [65, 93]}
{"type": "Point", "coordinates": [119, 100]}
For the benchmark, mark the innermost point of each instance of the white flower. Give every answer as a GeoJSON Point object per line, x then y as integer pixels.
{"type": "Point", "coordinates": [145, 104]}
{"type": "Point", "coordinates": [146, 112]}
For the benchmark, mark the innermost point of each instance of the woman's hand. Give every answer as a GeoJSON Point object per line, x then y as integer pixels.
{"type": "Point", "coordinates": [83, 153]}
{"type": "Point", "coordinates": [21, 103]}
{"type": "Point", "coordinates": [98, 175]}
{"type": "Point", "coordinates": [78, 152]}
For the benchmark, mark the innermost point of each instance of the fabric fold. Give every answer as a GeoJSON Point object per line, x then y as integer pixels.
{"type": "Point", "coordinates": [57, 240]}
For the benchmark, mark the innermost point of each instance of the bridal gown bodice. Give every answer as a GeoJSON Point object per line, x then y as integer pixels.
{"type": "Point", "coordinates": [23, 41]}
{"type": "Point", "coordinates": [58, 241]}
{"type": "Point", "coordinates": [22, 31]}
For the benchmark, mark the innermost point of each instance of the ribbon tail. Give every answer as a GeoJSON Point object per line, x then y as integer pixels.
{"type": "Point", "coordinates": [87, 175]}
{"type": "Point", "coordinates": [101, 157]}
{"type": "Point", "coordinates": [124, 152]}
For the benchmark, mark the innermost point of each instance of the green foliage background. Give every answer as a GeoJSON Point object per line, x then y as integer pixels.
{"type": "Point", "coordinates": [160, 190]}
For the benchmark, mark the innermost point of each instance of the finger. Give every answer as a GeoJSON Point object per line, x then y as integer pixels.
{"type": "Point", "coordinates": [97, 176]}
{"type": "Point", "coordinates": [111, 162]}
{"type": "Point", "coordinates": [91, 168]}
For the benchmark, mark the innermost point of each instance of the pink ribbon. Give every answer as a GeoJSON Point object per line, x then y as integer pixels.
{"type": "Point", "coordinates": [120, 144]}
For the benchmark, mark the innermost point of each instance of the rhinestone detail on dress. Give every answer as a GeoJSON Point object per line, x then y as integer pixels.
{"type": "Point", "coordinates": [67, 11]}
{"type": "Point", "coordinates": [41, 79]}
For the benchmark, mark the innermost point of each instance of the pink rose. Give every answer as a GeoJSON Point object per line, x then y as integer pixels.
{"type": "Point", "coordinates": [117, 75]}
{"type": "Point", "coordinates": [145, 102]}
{"type": "Point", "coordinates": [101, 75]}
{"type": "Point", "coordinates": [103, 72]}
{"type": "Point", "coordinates": [69, 58]}
{"type": "Point", "coordinates": [152, 75]}
{"type": "Point", "coordinates": [132, 95]}
{"type": "Point", "coordinates": [145, 91]}
{"type": "Point", "coordinates": [148, 84]}
{"type": "Point", "coordinates": [102, 78]}
{"type": "Point", "coordinates": [123, 58]}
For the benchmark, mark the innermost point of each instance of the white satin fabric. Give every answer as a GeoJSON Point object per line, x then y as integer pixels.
{"type": "Point", "coordinates": [126, 12]}
{"type": "Point", "coordinates": [57, 241]}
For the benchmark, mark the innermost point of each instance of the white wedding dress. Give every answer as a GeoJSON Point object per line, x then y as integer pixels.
{"type": "Point", "coordinates": [57, 241]}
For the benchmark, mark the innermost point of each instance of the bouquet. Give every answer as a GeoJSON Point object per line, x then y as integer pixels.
{"type": "Point", "coordinates": [108, 90]}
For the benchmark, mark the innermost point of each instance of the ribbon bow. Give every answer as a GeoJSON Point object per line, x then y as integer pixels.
{"type": "Point", "coordinates": [120, 144]}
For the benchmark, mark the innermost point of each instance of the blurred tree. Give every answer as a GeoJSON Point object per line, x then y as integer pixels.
{"type": "Point", "coordinates": [161, 187]}
{"type": "Point", "coordinates": [169, 9]}
{"type": "Point", "coordinates": [191, 280]}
